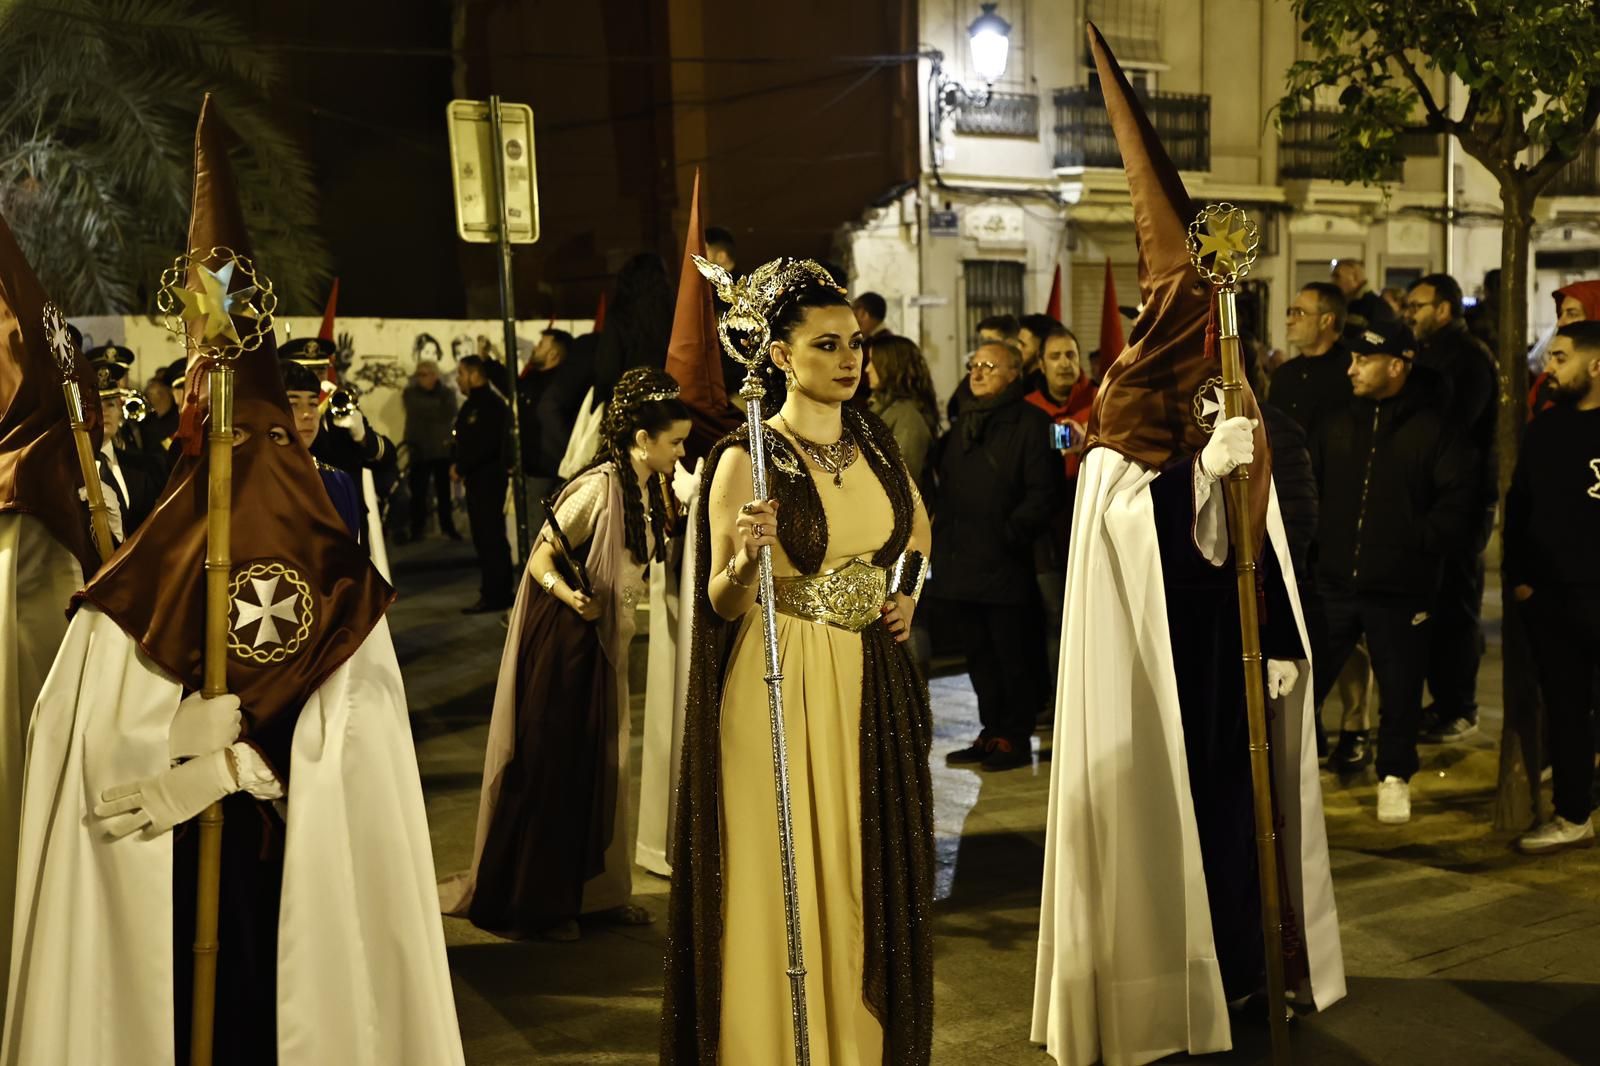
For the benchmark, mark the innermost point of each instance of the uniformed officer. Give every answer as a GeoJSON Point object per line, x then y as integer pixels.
{"type": "Point", "coordinates": [480, 462]}
{"type": "Point", "coordinates": [344, 438]}
{"type": "Point", "coordinates": [304, 390]}
{"type": "Point", "coordinates": [135, 476]}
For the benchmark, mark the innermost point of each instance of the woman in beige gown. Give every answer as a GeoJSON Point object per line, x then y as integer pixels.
{"type": "Point", "coordinates": [843, 514]}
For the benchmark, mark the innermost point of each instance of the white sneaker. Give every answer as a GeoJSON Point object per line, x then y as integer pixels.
{"type": "Point", "coordinates": [1394, 801]}
{"type": "Point", "coordinates": [1558, 834]}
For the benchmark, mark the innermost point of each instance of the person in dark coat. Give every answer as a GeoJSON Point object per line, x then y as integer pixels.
{"type": "Point", "coordinates": [549, 393]}
{"type": "Point", "coordinates": [1398, 493]}
{"type": "Point", "coordinates": [1362, 306]}
{"type": "Point", "coordinates": [999, 484]}
{"type": "Point", "coordinates": [1465, 365]}
{"type": "Point", "coordinates": [135, 476]}
{"type": "Point", "coordinates": [430, 407]}
{"type": "Point", "coordinates": [1314, 384]}
{"type": "Point", "coordinates": [480, 463]}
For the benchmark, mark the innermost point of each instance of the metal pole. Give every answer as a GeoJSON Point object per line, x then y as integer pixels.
{"type": "Point", "coordinates": [1239, 533]}
{"type": "Point", "coordinates": [219, 564]}
{"type": "Point", "coordinates": [508, 312]}
{"type": "Point", "coordinates": [751, 393]}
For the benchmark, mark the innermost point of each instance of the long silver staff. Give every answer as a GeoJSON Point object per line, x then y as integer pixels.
{"type": "Point", "coordinates": [1223, 235]}
{"type": "Point", "coordinates": [746, 336]}
{"type": "Point", "coordinates": [65, 353]}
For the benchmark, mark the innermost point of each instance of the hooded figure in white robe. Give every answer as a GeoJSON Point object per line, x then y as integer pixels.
{"type": "Point", "coordinates": [1150, 914]}
{"type": "Point", "coordinates": [331, 946]}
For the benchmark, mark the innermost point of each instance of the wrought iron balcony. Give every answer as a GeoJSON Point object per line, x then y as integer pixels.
{"type": "Point", "coordinates": [1083, 129]}
{"type": "Point", "coordinates": [1581, 177]}
{"type": "Point", "coordinates": [1306, 146]}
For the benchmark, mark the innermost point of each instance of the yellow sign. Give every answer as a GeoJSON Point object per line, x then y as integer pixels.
{"type": "Point", "coordinates": [473, 169]}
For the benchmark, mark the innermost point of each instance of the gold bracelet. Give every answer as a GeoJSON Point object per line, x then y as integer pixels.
{"type": "Point", "coordinates": [730, 572]}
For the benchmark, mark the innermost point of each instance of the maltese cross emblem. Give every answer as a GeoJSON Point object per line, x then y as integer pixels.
{"type": "Point", "coordinates": [1208, 404]}
{"type": "Point", "coordinates": [270, 612]}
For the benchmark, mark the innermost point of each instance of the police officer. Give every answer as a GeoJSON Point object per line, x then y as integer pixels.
{"type": "Point", "coordinates": [480, 463]}
{"type": "Point", "coordinates": [135, 476]}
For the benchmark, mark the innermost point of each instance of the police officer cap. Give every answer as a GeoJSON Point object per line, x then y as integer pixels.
{"type": "Point", "coordinates": [1382, 338]}
{"type": "Point", "coordinates": [108, 374]}
{"type": "Point", "coordinates": [309, 352]}
{"type": "Point", "coordinates": [173, 374]}
{"type": "Point", "coordinates": [114, 353]}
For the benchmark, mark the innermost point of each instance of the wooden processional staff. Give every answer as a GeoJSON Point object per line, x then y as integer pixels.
{"type": "Point", "coordinates": [65, 354]}
{"type": "Point", "coordinates": [204, 316]}
{"type": "Point", "coordinates": [1222, 246]}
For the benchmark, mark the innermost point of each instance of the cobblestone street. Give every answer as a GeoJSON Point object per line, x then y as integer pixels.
{"type": "Point", "coordinates": [1458, 950]}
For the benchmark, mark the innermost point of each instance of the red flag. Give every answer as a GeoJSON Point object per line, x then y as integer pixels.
{"type": "Point", "coordinates": [694, 357]}
{"type": "Point", "coordinates": [1111, 338]}
{"type": "Point", "coordinates": [39, 473]}
{"type": "Point", "coordinates": [326, 332]}
{"type": "Point", "coordinates": [1053, 307]}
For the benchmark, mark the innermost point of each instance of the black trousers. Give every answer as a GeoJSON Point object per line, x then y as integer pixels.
{"type": "Point", "coordinates": [421, 473]}
{"type": "Point", "coordinates": [1397, 639]}
{"type": "Point", "coordinates": [486, 499]}
{"type": "Point", "coordinates": [1004, 653]}
{"type": "Point", "coordinates": [1564, 625]}
{"type": "Point", "coordinates": [1455, 640]}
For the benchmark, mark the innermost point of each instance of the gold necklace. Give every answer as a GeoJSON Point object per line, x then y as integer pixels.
{"type": "Point", "coordinates": [832, 458]}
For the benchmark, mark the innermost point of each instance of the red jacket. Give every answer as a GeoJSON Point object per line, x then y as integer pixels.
{"type": "Point", "coordinates": [1080, 401]}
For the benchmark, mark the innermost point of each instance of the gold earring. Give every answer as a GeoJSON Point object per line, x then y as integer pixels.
{"type": "Point", "coordinates": [639, 455]}
{"type": "Point", "coordinates": [788, 376]}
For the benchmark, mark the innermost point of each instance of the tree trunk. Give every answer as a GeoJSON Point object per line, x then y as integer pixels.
{"type": "Point", "coordinates": [1518, 802]}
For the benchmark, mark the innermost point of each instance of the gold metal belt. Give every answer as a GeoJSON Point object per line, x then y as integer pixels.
{"type": "Point", "coordinates": [850, 597]}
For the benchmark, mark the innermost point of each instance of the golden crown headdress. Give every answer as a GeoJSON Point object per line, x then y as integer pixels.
{"type": "Point", "coordinates": [745, 328]}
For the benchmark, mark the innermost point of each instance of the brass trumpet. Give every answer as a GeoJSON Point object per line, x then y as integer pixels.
{"type": "Point", "coordinates": [342, 402]}
{"type": "Point", "coordinates": [134, 409]}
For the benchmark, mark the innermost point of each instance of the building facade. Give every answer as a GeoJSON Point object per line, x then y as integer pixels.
{"type": "Point", "coordinates": [1029, 179]}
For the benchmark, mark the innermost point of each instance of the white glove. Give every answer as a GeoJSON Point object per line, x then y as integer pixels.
{"type": "Point", "coordinates": [1281, 677]}
{"type": "Point", "coordinates": [203, 726]}
{"type": "Point", "coordinates": [685, 484]}
{"type": "Point", "coordinates": [1232, 445]}
{"type": "Point", "coordinates": [158, 803]}
{"type": "Point", "coordinates": [354, 423]}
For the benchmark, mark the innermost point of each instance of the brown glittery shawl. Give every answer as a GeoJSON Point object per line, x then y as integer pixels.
{"type": "Point", "coordinates": [896, 795]}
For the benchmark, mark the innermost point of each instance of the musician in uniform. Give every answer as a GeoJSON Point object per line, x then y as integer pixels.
{"type": "Point", "coordinates": [133, 474]}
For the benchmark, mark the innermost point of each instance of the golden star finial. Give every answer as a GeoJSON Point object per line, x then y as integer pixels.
{"type": "Point", "coordinates": [1226, 239]}
{"type": "Point", "coordinates": [214, 306]}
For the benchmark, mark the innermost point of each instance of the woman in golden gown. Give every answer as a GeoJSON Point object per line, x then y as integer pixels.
{"type": "Point", "coordinates": [843, 513]}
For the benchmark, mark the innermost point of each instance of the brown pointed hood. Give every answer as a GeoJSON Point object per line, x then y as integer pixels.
{"type": "Point", "coordinates": [694, 355]}
{"type": "Point", "coordinates": [39, 472]}
{"type": "Point", "coordinates": [1159, 401]}
{"type": "Point", "coordinates": [305, 595]}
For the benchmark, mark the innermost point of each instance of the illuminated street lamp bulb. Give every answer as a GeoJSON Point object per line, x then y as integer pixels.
{"type": "Point", "coordinates": [991, 41]}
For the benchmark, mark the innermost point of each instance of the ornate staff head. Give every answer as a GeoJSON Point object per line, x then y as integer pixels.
{"type": "Point", "coordinates": [206, 314]}
{"type": "Point", "coordinates": [1223, 244]}
{"type": "Point", "coordinates": [746, 326]}
{"type": "Point", "coordinates": [64, 351]}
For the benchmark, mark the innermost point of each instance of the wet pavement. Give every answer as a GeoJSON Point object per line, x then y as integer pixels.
{"type": "Point", "coordinates": [1458, 950]}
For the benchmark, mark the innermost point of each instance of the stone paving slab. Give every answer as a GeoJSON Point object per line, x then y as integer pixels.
{"type": "Point", "coordinates": [1458, 950]}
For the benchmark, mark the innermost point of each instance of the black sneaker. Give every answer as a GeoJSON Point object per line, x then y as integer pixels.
{"type": "Point", "coordinates": [1003, 755]}
{"type": "Point", "coordinates": [967, 756]}
{"type": "Point", "coordinates": [1351, 755]}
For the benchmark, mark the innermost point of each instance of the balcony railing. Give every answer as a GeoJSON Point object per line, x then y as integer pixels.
{"type": "Point", "coordinates": [1306, 147]}
{"type": "Point", "coordinates": [1084, 137]}
{"type": "Point", "coordinates": [1581, 177]}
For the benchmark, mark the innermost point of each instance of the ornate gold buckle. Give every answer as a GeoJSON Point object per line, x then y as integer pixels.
{"type": "Point", "coordinates": [850, 597]}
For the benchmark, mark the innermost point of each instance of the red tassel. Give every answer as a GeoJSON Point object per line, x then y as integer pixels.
{"type": "Point", "coordinates": [1213, 345]}
{"type": "Point", "coordinates": [189, 433]}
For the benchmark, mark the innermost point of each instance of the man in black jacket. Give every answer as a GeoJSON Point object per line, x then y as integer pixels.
{"type": "Point", "coordinates": [1433, 308]}
{"type": "Point", "coordinates": [1552, 527]}
{"type": "Point", "coordinates": [480, 463]}
{"type": "Point", "coordinates": [999, 482]}
{"type": "Point", "coordinates": [549, 394]}
{"type": "Point", "coordinates": [1398, 493]}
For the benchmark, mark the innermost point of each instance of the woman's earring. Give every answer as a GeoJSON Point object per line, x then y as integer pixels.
{"type": "Point", "coordinates": [639, 455]}
{"type": "Point", "coordinates": [788, 376]}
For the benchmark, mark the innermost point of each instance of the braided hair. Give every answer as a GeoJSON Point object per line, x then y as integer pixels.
{"type": "Point", "coordinates": [646, 398]}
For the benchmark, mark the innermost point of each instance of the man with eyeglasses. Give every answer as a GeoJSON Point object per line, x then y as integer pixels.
{"type": "Point", "coordinates": [1398, 494]}
{"type": "Point", "coordinates": [1433, 309]}
{"type": "Point", "coordinates": [1313, 385]}
{"type": "Point", "coordinates": [999, 484]}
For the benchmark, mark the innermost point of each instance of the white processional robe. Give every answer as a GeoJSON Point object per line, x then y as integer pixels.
{"type": "Point", "coordinates": [666, 689]}
{"type": "Point", "coordinates": [37, 579]}
{"type": "Point", "coordinates": [1127, 967]}
{"type": "Point", "coordinates": [362, 974]}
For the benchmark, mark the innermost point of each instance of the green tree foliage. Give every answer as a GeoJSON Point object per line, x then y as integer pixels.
{"type": "Point", "coordinates": [98, 102]}
{"type": "Point", "coordinates": [1531, 74]}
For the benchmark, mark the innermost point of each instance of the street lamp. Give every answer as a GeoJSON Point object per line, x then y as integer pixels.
{"type": "Point", "coordinates": [989, 37]}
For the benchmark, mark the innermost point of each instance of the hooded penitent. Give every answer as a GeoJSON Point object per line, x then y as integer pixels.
{"type": "Point", "coordinates": [304, 594]}
{"type": "Point", "coordinates": [1160, 400]}
{"type": "Point", "coordinates": [693, 357]}
{"type": "Point", "coordinates": [39, 471]}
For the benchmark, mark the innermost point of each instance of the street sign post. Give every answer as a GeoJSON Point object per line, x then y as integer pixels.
{"type": "Point", "coordinates": [497, 199]}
